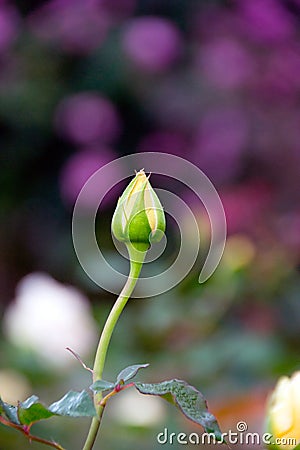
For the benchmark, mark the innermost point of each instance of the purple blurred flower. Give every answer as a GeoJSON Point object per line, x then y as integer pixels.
{"type": "Point", "coordinates": [226, 63]}
{"type": "Point", "coordinates": [220, 143]}
{"type": "Point", "coordinates": [288, 229]}
{"type": "Point", "coordinates": [117, 8]}
{"type": "Point", "coordinates": [267, 20]}
{"type": "Point", "coordinates": [213, 21]}
{"type": "Point", "coordinates": [77, 170]}
{"type": "Point", "coordinates": [280, 73]}
{"type": "Point", "coordinates": [152, 43]}
{"type": "Point", "coordinates": [9, 23]}
{"type": "Point", "coordinates": [245, 205]}
{"type": "Point", "coordinates": [164, 141]}
{"type": "Point", "coordinates": [86, 118]}
{"type": "Point", "coordinates": [79, 26]}
{"type": "Point", "coordinates": [175, 102]}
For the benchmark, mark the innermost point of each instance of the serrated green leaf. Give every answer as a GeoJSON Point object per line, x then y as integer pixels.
{"type": "Point", "coordinates": [189, 400]}
{"type": "Point", "coordinates": [74, 404]}
{"type": "Point", "coordinates": [31, 410]}
{"type": "Point", "coordinates": [29, 401]}
{"type": "Point", "coordinates": [101, 385]}
{"type": "Point", "coordinates": [130, 372]}
{"type": "Point", "coordinates": [10, 412]}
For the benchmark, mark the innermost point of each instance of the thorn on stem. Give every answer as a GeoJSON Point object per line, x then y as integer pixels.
{"type": "Point", "coordinates": [79, 359]}
{"type": "Point", "coordinates": [26, 429]}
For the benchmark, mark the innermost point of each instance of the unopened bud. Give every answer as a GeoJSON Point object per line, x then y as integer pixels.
{"type": "Point", "coordinates": [139, 217]}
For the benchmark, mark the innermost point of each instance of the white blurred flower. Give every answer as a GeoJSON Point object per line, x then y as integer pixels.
{"type": "Point", "coordinates": [284, 413]}
{"type": "Point", "coordinates": [14, 386]}
{"type": "Point", "coordinates": [47, 317]}
{"type": "Point", "coordinates": [134, 409]}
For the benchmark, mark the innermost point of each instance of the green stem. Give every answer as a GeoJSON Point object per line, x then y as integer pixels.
{"type": "Point", "coordinates": [136, 262]}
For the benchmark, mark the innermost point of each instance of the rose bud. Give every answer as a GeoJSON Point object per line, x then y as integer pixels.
{"type": "Point", "coordinates": [139, 217]}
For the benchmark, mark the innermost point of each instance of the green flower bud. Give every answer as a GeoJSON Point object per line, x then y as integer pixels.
{"type": "Point", "coordinates": [283, 418]}
{"type": "Point", "coordinates": [139, 217]}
